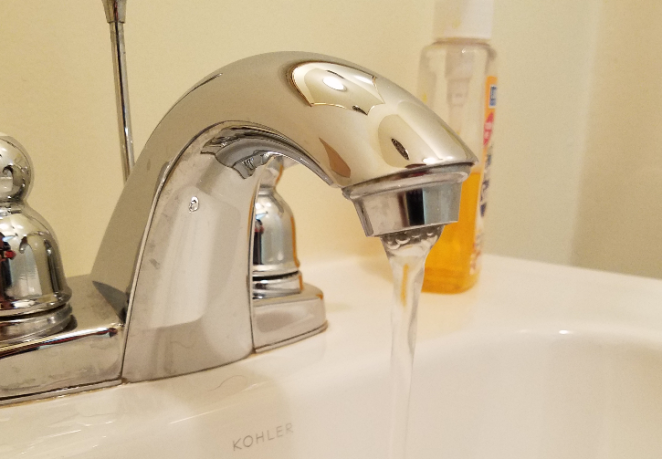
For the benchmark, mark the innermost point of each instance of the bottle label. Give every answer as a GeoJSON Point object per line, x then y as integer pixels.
{"type": "Point", "coordinates": [486, 161]}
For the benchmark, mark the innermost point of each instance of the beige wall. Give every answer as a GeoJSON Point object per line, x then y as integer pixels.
{"type": "Point", "coordinates": [578, 97]}
{"type": "Point", "coordinates": [619, 226]}
{"type": "Point", "coordinates": [545, 53]}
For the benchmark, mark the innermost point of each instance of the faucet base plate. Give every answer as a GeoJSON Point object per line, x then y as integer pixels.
{"type": "Point", "coordinates": [294, 339]}
{"type": "Point", "coordinates": [87, 352]}
{"type": "Point", "coordinates": [282, 320]}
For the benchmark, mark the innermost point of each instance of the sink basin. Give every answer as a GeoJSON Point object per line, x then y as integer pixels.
{"type": "Point", "coordinates": [538, 361]}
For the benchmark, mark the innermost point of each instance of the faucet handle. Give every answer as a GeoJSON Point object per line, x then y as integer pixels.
{"type": "Point", "coordinates": [275, 263]}
{"type": "Point", "coordinates": [15, 170]}
{"type": "Point", "coordinates": [31, 274]}
{"type": "Point", "coordinates": [285, 309]}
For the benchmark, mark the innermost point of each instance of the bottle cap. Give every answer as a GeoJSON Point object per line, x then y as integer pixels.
{"type": "Point", "coordinates": [463, 19]}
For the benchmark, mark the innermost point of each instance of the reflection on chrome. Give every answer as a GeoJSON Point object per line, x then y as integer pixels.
{"type": "Point", "coordinates": [334, 83]}
{"type": "Point", "coordinates": [352, 88]}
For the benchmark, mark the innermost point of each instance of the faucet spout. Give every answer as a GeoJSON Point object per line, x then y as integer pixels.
{"type": "Point", "coordinates": [176, 257]}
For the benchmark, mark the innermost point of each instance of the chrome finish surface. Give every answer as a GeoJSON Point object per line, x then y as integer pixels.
{"type": "Point", "coordinates": [49, 340]}
{"type": "Point", "coordinates": [115, 10]}
{"type": "Point", "coordinates": [264, 287]}
{"type": "Point", "coordinates": [325, 83]}
{"type": "Point", "coordinates": [274, 244]}
{"type": "Point", "coordinates": [16, 174]}
{"type": "Point", "coordinates": [409, 200]}
{"type": "Point", "coordinates": [87, 351]}
{"type": "Point", "coordinates": [58, 392]}
{"type": "Point", "coordinates": [278, 321]}
{"type": "Point", "coordinates": [194, 204]}
{"type": "Point", "coordinates": [183, 277]}
{"type": "Point", "coordinates": [116, 16]}
{"type": "Point", "coordinates": [31, 274]}
{"type": "Point", "coordinates": [284, 310]}
{"type": "Point", "coordinates": [27, 327]}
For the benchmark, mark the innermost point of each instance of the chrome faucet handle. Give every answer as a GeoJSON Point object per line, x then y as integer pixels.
{"type": "Point", "coordinates": [275, 264]}
{"type": "Point", "coordinates": [50, 342]}
{"type": "Point", "coordinates": [284, 308]}
{"type": "Point", "coordinates": [33, 289]}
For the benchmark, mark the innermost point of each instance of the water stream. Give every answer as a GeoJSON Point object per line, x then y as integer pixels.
{"type": "Point", "coordinates": [406, 253]}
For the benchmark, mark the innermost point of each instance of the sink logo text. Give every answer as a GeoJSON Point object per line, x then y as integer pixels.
{"type": "Point", "coordinates": [248, 441]}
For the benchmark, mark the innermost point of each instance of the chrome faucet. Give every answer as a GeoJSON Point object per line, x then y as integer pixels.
{"type": "Point", "coordinates": [174, 290]}
{"type": "Point", "coordinates": [177, 253]}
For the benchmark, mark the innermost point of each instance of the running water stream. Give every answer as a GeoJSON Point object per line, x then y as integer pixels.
{"type": "Point", "coordinates": [406, 253]}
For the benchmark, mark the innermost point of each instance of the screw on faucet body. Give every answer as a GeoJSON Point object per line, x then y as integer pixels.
{"type": "Point", "coordinates": [193, 205]}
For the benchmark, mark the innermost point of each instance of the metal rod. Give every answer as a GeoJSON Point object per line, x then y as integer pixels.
{"type": "Point", "coordinates": [116, 15]}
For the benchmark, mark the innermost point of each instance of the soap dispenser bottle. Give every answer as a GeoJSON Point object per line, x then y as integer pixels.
{"type": "Point", "coordinates": [457, 79]}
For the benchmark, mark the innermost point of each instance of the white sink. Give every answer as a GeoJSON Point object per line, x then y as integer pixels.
{"type": "Point", "coordinates": [538, 361]}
